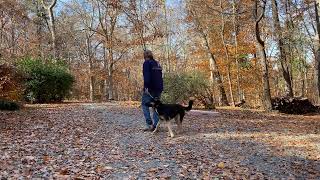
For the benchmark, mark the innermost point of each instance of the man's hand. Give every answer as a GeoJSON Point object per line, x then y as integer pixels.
{"type": "Point", "coordinates": [144, 90]}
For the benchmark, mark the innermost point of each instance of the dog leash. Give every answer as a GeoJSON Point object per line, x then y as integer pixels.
{"type": "Point", "coordinates": [155, 109]}
{"type": "Point", "coordinates": [148, 93]}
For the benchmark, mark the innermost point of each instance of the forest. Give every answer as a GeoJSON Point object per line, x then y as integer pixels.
{"type": "Point", "coordinates": [72, 89]}
{"type": "Point", "coordinates": [221, 52]}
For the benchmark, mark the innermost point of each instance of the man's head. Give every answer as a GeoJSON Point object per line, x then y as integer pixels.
{"type": "Point", "coordinates": [147, 54]}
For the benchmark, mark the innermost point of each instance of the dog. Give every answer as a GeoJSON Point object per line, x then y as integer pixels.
{"type": "Point", "coordinates": [169, 112]}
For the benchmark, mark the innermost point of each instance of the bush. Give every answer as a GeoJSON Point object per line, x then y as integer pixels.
{"type": "Point", "coordinates": [176, 87]}
{"type": "Point", "coordinates": [7, 105]}
{"type": "Point", "coordinates": [46, 82]}
{"type": "Point", "coordinates": [179, 87]}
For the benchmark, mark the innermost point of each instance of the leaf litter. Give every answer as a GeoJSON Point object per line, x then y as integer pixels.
{"type": "Point", "coordinates": [92, 141]}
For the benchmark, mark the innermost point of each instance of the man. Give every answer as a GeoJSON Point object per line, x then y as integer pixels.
{"type": "Point", "coordinates": [153, 87]}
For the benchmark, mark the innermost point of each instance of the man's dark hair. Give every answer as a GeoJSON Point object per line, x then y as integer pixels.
{"type": "Point", "coordinates": [147, 54]}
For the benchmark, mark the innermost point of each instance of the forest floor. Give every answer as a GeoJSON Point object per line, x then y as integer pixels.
{"type": "Point", "coordinates": [105, 140]}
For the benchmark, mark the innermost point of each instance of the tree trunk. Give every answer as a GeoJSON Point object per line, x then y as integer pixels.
{"type": "Point", "coordinates": [263, 59]}
{"type": "Point", "coordinates": [110, 75]}
{"type": "Point", "coordinates": [91, 77]}
{"type": "Point", "coordinates": [12, 43]}
{"type": "Point", "coordinates": [277, 87]}
{"type": "Point", "coordinates": [38, 27]}
{"type": "Point", "coordinates": [283, 59]}
{"type": "Point", "coordinates": [92, 88]}
{"type": "Point", "coordinates": [110, 83]}
{"type": "Point", "coordinates": [235, 30]}
{"type": "Point", "coordinates": [167, 38]}
{"type": "Point", "coordinates": [303, 84]}
{"type": "Point", "coordinates": [227, 54]}
{"type": "Point", "coordinates": [230, 85]}
{"type": "Point", "coordinates": [317, 60]}
{"type": "Point", "coordinates": [51, 24]}
{"type": "Point", "coordinates": [215, 74]}
{"type": "Point", "coordinates": [303, 75]}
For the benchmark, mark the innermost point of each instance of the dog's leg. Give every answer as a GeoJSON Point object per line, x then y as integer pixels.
{"type": "Point", "coordinates": [177, 119]}
{"type": "Point", "coordinates": [180, 122]}
{"type": "Point", "coordinates": [170, 129]}
{"type": "Point", "coordinates": [156, 129]}
{"type": "Point", "coordinates": [180, 126]}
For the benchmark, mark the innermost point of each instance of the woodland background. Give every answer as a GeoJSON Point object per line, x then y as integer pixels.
{"type": "Point", "coordinates": [225, 50]}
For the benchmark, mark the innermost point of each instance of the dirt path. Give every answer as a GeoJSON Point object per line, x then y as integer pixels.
{"type": "Point", "coordinates": [106, 141]}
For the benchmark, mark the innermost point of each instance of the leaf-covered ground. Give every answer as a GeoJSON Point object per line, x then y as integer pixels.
{"type": "Point", "coordinates": [90, 141]}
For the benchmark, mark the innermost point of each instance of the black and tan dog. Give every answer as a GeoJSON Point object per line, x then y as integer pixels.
{"type": "Point", "coordinates": [169, 112]}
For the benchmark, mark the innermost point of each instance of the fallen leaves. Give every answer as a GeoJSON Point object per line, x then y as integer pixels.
{"type": "Point", "coordinates": [90, 141]}
{"type": "Point", "coordinates": [221, 165]}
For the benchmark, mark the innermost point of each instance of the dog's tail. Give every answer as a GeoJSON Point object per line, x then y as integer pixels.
{"type": "Point", "coordinates": [190, 106]}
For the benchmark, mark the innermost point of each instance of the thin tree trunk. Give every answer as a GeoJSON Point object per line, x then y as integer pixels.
{"type": "Point", "coordinates": [91, 77]}
{"type": "Point", "coordinates": [105, 81]}
{"type": "Point", "coordinates": [283, 58]}
{"type": "Point", "coordinates": [306, 80]}
{"type": "Point", "coordinates": [110, 83]}
{"type": "Point", "coordinates": [230, 84]}
{"type": "Point", "coordinates": [39, 28]}
{"type": "Point", "coordinates": [235, 30]}
{"type": "Point", "coordinates": [141, 26]}
{"type": "Point", "coordinates": [263, 59]}
{"type": "Point", "coordinates": [110, 75]}
{"type": "Point", "coordinates": [317, 60]}
{"type": "Point", "coordinates": [167, 38]}
{"type": "Point", "coordinates": [303, 83]}
{"type": "Point", "coordinates": [287, 40]}
{"type": "Point", "coordinates": [51, 24]}
{"type": "Point", "coordinates": [303, 72]}
{"type": "Point", "coordinates": [1, 33]}
{"type": "Point", "coordinates": [277, 87]}
{"type": "Point", "coordinates": [227, 54]}
{"type": "Point", "coordinates": [12, 44]}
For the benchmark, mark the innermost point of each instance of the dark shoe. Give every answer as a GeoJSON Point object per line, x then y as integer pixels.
{"type": "Point", "coordinates": [150, 128]}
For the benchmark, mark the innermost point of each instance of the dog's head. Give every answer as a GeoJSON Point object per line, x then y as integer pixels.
{"type": "Point", "coordinates": [155, 103]}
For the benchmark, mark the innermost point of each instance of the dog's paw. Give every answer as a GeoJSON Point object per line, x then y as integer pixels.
{"type": "Point", "coordinates": [154, 131]}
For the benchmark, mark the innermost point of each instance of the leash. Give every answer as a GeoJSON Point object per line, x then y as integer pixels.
{"type": "Point", "coordinates": [148, 93]}
{"type": "Point", "coordinates": [155, 109]}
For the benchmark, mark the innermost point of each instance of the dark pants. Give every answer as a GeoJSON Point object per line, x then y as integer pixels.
{"type": "Point", "coordinates": [146, 98]}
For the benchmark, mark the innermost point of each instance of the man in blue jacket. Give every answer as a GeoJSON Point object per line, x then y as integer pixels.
{"type": "Point", "coordinates": [153, 87]}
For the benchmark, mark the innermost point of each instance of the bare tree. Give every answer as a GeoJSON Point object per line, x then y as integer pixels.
{"type": "Point", "coordinates": [235, 31]}
{"type": "Point", "coordinates": [284, 62]}
{"type": "Point", "coordinates": [222, 33]}
{"type": "Point", "coordinates": [263, 58]}
{"type": "Point", "coordinates": [317, 60]}
{"type": "Point", "coordinates": [51, 24]}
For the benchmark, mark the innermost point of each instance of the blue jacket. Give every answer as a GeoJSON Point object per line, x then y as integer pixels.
{"type": "Point", "coordinates": [152, 76]}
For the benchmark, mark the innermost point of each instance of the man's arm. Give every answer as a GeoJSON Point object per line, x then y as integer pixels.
{"type": "Point", "coordinates": [146, 75]}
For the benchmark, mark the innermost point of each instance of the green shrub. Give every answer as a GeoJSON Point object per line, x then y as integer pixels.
{"type": "Point", "coordinates": [46, 82]}
{"type": "Point", "coordinates": [179, 87]}
{"type": "Point", "coordinates": [8, 105]}
{"type": "Point", "coordinates": [176, 87]}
